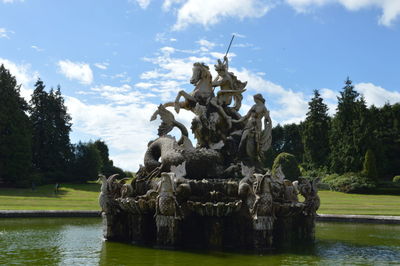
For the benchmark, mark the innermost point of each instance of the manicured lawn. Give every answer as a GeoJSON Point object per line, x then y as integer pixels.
{"type": "Point", "coordinates": [69, 197]}
{"type": "Point", "coordinates": [342, 203]}
{"type": "Point", "coordinates": [85, 197]}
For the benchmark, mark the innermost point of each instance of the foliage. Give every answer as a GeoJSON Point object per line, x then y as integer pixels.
{"type": "Point", "coordinates": [87, 163]}
{"type": "Point", "coordinates": [349, 183]}
{"type": "Point", "coordinates": [51, 149]}
{"type": "Point", "coordinates": [285, 138]}
{"type": "Point", "coordinates": [350, 136]}
{"type": "Point", "coordinates": [15, 132]}
{"type": "Point", "coordinates": [315, 133]}
{"type": "Point", "coordinates": [288, 164]}
{"type": "Point", "coordinates": [108, 167]}
{"type": "Point", "coordinates": [396, 179]}
{"type": "Point", "coordinates": [369, 166]}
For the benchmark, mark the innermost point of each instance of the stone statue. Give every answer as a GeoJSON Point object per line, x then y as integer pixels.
{"type": "Point", "coordinates": [202, 92]}
{"type": "Point", "coordinates": [166, 203]}
{"type": "Point", "coordinates": [110, 189]}
{"type": "Point", "coordinates": [216, 192]}
{"type": "Point", "coordinates": [255, 140]}
{"type": "Point", "coordinates": [308, 189]}
{"type": "Point", "coordinates": [230, 86]}
{"type": "Point", "coordinates": [263, 205]}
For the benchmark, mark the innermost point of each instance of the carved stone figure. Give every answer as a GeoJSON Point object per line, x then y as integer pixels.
{"type": "Point", "coordinates": [109, 190]}
{"type": "Point", "coordinates": [263, 205]}
{"type": "Point", "coordinates": [202, 92]}
{"type": "Point", "coordinates": [214, 193]}
{"type": "Point", "coordinates": [166, 203]}
{"type": "Point", "coordinates": [230, 86]}
{"type": "Point", "coordinates": [308, 189]}
{"type": "Point", "coordinates": [255, 140]}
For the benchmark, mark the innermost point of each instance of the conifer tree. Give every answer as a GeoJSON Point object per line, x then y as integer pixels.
{"type": "Point", "coordinates": [51, 151]}
{"type": "Point", "coordinates": [350, 134]}
{"type": "Point", "coordinates": [15, 132]}
{"type": "Point", "coordinates": [315, 134]}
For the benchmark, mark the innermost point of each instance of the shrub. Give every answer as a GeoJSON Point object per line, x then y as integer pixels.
{"type": "Point", "coordinates": [289, 166]}
{"type": "Point", "coordinates": [396, 179]}
{"type": "Point", "coordinates": [349, 183]}
{"type": "Point", "coordinates": [369, 166]}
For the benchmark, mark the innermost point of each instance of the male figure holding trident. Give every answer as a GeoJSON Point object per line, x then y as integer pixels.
{"type": "Point", "coordinates": [230, 87]}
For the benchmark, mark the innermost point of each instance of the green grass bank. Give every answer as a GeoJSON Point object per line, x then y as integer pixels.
{"type": "Point", "coordinates": [85, 197]}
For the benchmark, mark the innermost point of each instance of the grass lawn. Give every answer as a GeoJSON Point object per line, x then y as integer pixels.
{"type": "Point", "coordinates": [85, 197]}
{"type": "Point", "coordinates": [69, 197]}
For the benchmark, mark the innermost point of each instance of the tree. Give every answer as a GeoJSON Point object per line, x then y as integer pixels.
{"type": "Point", "coordinates": [51, 150]}
{"type": "Point", "coordinates": [350, 136]}
{"type": "Point", "coordinates": [292, 142]}
{"type": "Point", "coordinates": [87, 163]}
{"type": "Point", "coordinates": [108, 167]}
{"type": "Point", "coordinates": [315, 134]}
{"type": "Point", "coordinates": [15, 132]}
{"type": "Point", "coordinates": [369, 166]}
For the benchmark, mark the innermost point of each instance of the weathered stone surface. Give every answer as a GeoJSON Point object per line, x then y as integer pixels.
{"type": "Point", "coordinates": [215, 194]}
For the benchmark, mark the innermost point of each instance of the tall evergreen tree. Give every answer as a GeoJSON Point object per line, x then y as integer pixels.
{"type": "Point", "coordinates": [315, 133]}
{"type": "Point", "coordinates": [51, 149]}
{"type": "Point", "coordinates": [350, 134]}
{"type": "Point", "coordinates": [15, 132]}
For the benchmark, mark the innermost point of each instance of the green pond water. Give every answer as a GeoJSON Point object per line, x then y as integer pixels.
{"type": "Point", "coordinates": [78, 241]}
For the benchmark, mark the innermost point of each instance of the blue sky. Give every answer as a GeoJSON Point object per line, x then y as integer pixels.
{"type": "Point", "coordinates": [117, 60]}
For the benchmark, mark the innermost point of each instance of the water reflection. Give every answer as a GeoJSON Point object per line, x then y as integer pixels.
{"type": "Point", "coordinates": [77, 241]}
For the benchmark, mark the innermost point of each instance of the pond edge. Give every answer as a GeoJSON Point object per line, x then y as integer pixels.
{"type": "Point", "coordinates": [320, 217]}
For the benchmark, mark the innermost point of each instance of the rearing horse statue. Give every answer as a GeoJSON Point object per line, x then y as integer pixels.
{"type": "Point", "coordinates": [202, 92]}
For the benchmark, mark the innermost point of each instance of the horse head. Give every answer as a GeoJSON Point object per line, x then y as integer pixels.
{"type": "Point", "coordinates": [200, 72]}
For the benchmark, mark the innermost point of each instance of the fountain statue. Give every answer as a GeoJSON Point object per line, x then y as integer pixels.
{"type": "Point", "coordinates": [216, 193]}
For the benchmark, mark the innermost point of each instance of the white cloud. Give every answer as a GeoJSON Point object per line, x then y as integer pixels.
{"type": "Point", "coordinates": [37, 48]}
{"type": "Point", "coordinates": [125, 128]}
{"type": "Point", "coordinates": [11, 1]}
{"type": "Point", "coordinates": [376, 95]}
{"type": "Point", "coordinates": [210, 12]}
{"type": "Point", "coordinates": [142, 3]}
{"type": "Point", "coordinates": [390, 8]}
{"type": "Point", "coordinates": [205, 45]}
{"type": "Point", "coordinates": [286, 106]}
{"type": "Point", "coordinates": [23, 74]}
{"type": "Point", "coordinates": [4, 33]}
{"type": "Point", "coordinates": [76, 70]}
{"type": "Point", "coordinates": [102, 66]}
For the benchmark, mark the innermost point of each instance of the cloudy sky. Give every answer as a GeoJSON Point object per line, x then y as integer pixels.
{"type": "Point", "coordinates": [116, 60]}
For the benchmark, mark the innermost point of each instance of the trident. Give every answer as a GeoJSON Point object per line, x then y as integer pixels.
{"type": "Point", "coordinates": [229, 47]}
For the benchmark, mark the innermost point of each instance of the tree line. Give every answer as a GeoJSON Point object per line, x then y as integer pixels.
{"type": "Point", "coordinates": [35, 146]}
{"type": "Point", "coordinates": [357, 139]}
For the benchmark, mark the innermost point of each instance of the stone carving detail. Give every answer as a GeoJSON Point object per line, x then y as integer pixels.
{"type": "Point", "coordinates": [217, 191]}
{"type": "Point", "coordinates": [308, 189]}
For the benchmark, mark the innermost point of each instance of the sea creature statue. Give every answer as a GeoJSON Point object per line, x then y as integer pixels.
{"type": "Point", "coordinates": [290, 191]}
{"type": "Point", "coordinates": [308, 189]}
{"type": "Point", "coordinates": [246, 190]}
{"type": "Point", "coordinates": [166, 203]}
{"type": "Point", "coordinates": [110, 189]}
{"type": "Point", "coordinates": [182, 187]}
{"type": "Point", "coordinates": [200, 162]}
{"type": "Point", "coordinates": [263, 205]}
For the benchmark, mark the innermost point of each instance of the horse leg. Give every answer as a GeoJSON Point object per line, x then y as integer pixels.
{"type": "Point", "coordinates": [181, 105]}
{"type": "Point", "coordinates": [187, 97]}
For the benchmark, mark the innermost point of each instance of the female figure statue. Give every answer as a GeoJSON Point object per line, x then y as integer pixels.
{"type": "Point", "coordinates": [255, 140]}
